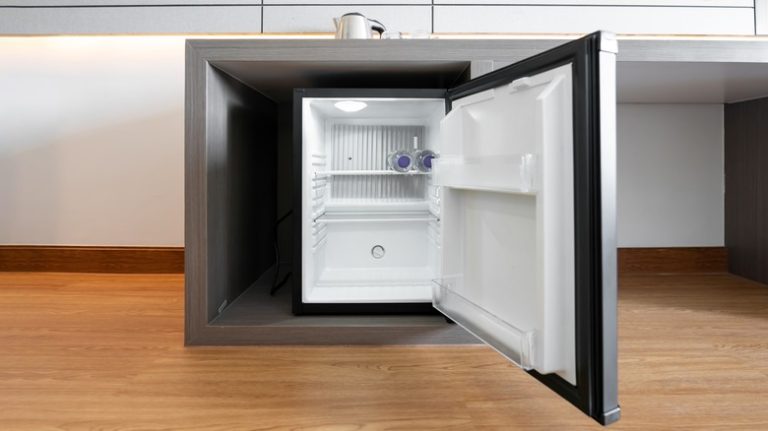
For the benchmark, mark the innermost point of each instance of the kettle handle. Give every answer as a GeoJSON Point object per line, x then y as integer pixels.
{"type": "Point", "coordinates": [377, 26]}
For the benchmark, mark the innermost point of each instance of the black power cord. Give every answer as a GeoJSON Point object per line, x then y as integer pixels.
{"type": "Point", "coordinates": [275, 285]}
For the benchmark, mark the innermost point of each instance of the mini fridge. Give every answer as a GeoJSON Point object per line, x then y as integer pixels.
{"type": "Point", "coordinates": [492, 202]}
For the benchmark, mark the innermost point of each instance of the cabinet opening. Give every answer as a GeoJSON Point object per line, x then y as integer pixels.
{"type": "Point", "coordinates": [370, 226]}
{"type": "Point", "coordinates": [251, 185]}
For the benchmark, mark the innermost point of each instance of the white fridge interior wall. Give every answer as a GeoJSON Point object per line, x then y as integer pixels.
{"type": "Point", "coordinates": [92, 150]}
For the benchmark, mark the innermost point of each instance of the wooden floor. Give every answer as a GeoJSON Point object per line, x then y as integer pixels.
{"type": "Point", "coordinates": [105, 352]}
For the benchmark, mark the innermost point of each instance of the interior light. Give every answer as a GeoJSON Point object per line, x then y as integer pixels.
{"type": "Point", "coordinates": [350, 105]}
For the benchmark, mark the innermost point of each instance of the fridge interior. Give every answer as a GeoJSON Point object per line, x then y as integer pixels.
{"type": "Point", "coordinates": [370, 234]}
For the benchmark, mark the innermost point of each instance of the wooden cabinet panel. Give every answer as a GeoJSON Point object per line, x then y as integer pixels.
{"type": "Point", "coordinates": [131, 20]}
{"type": "Point", "coordinates": [583, 19]}
{"type": "Point", "coordinates": [346, 2]}
{"type": "Point", "coordinates": [714, 17]}
{"type": "Point", "coordinates": [746, 188]}
{"type": "Point", "coordinates": [665, 3]}
{"type": "Point", "coordinates": [81, 3]}
{"type": "Point", "coordinates": [317, 19]}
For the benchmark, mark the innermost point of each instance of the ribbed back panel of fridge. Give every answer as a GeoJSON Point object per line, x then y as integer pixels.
{"type": "Point", "coordinates": [371, 232]}
{"type": "Point", "coordinates": [365, 148]}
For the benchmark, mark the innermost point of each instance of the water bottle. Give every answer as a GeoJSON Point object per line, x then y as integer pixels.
{"type": "Point", "coordinates": [424, 160]}
{"type": "Point", "coordinates": [401, 161]}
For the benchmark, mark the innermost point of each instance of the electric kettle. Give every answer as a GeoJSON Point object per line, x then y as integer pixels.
{"type": "Point", "coordinates": [356, 26]}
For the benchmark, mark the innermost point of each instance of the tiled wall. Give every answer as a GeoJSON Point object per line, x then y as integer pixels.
{"type": "Point", "coordinates": [715, 17]}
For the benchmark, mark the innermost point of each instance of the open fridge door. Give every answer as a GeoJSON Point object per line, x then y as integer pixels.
{"type": "Point", "coordinates": [527, 175]}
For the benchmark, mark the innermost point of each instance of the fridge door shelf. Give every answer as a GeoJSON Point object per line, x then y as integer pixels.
{"type": "Point", "coordinates": [514, 343]}
{"type": "Point", "coordinates": [505, 173]}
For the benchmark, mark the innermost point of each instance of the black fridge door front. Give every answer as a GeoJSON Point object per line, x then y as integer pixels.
{"type": "Point", "coordinates": [527, 169]}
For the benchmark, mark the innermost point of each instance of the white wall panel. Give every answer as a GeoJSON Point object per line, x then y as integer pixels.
{"type": "Point", "coordinates": [312, 19]}
{"type": "Point", "coordinates": [584, 19]}
{"type": "Point", "coordinates": [92, 141]}
{"type": "Point", "coordinates": [670, 179]}
{"type": "Point", "coordinates": [127, 20]}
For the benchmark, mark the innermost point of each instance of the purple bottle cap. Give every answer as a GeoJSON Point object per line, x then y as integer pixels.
{"type": "Point", "coordinates": [403, 161]}
{"type": "Point", "coordinates": [427, 162]}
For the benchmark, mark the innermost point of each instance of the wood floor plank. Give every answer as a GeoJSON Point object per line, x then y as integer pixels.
{"type": "Point", "coordinates": [105, 351]}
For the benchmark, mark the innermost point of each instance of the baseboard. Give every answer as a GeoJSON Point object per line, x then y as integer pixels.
{"type": "Point", "coordinates": [170, 260]}
{"type": "Point", "coordinates": [125, 260]}
{"type": "Point", "coordinates": [673, 259]}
